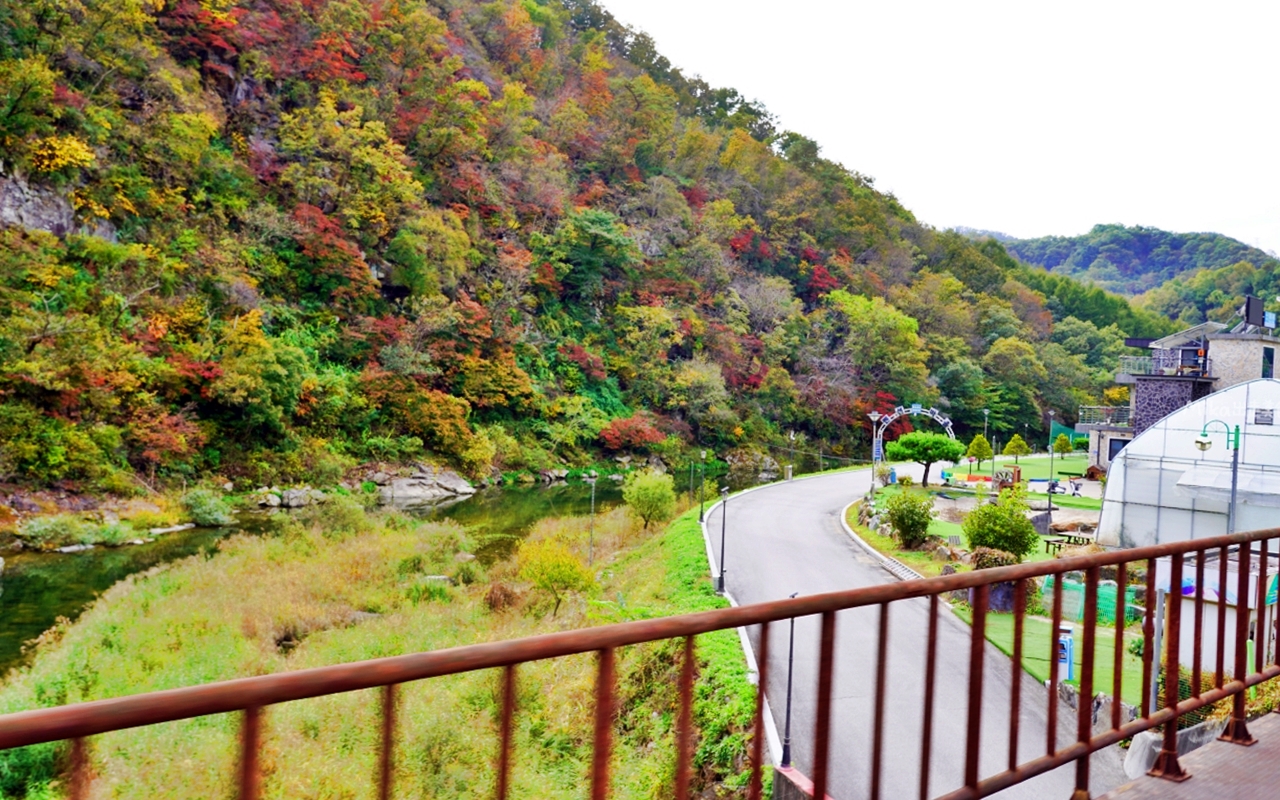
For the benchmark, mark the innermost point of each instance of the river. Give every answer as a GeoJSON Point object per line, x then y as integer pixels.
{"type": "Point", "coordinates": [38, 588]}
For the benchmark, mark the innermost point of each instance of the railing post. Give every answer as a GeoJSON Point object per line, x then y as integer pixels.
{"type": "Point", "coordinates": [79, 788]}
{"type": "Point", "coordinates": [1236, 731]}
{"type": "Point", "coordinates": [604, 727]}
{"type": "Point", "coordinates": [250, 734]}
{"type": "Point", "coordinates": [877, 736]}
{"type": "Point", "coordinates": [506, 730]}
{"type": "Point", "coordinates": [1084, 702]}
{"type": "Point", "coordinates": [1167, 765]}
{"type": "Point", "coordinates": [822, 731]}
{"type": "Point", "coordinates": [977, 646]}
{"type": "Point", "coordinates": [757, 736]}
{"type": "Point", "coordinates": [930, 671]}
{"type": "Point", "coordinates": [684, 722]}
{"type": "Point", "coordinates": [386, 757]}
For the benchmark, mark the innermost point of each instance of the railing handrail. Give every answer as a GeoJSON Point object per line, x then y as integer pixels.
{"type": "Point", "coordinates": [101, 716]}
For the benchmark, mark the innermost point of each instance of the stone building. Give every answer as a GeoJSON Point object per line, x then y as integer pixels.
{"type": "Point", "coordinates": [1182, 368]}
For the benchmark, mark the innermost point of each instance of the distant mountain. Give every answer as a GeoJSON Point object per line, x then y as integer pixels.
{"type": "Point", "coordinates": [979, 233]}
{"type": "Point", "coordinates": [1132, 260]}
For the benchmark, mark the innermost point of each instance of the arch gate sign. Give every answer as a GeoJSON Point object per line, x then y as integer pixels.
{"type": "Point", "coordinates": [915, 410]}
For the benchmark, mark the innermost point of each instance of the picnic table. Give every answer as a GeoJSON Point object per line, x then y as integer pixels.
{"type": "Point", "coordinates": [1054, 544]}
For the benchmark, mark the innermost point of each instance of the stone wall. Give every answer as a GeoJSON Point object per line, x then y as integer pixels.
{"type": "Point", "coordinates": [1238, 358]}
{"type": "Point", "coordinates": [1156, 398]}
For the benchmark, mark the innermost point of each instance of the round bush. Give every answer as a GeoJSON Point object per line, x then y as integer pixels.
{"type": "Point", "coordinates": [909, 515]}
{"type": "Point", "coordinates": [1002, 526]}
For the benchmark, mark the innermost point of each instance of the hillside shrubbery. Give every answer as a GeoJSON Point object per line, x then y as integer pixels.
{"type": "Point", "coordinates": [502, 235]}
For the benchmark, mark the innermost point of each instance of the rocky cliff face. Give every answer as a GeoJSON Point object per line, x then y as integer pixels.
{"type": "Point", "coordinates": [43, 209]}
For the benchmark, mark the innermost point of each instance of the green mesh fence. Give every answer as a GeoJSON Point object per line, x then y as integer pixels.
{"type": "Point", "coordinates": [1073, 600]}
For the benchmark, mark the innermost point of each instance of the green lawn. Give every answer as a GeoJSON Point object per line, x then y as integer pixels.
{"type": "Point", "coordinates": [1036, 652]}
{"type": "Point", "coordinates": [1034, 466]}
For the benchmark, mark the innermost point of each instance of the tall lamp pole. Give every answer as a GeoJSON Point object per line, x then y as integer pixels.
{"type": "Point", "coordinates": [875, 455]}
{"type": "Point", "coordinates": [1233, 441]}
{"type": "Point", "coordinates": [791, 654]}
{"type": "Point", "coordinates": [724, 516]}
{"type": "Point", "coordinates": [702, 482]}
{"type": "Point", "coordinates": [1049, 506]}
{"type": "Point", "coordinates": [986, 415]}
{"type": "Point", "coordinates": [792, 437]}
{"type": "Point", "coordinates": [591, 524]}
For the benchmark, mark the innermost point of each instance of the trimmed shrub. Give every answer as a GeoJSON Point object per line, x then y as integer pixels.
{"type": "Point", "coordinates": [909, 515]}
{"type": "Point", "coordinates": [1002, 526]}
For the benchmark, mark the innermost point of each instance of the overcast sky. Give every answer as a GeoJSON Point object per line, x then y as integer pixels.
{"type": "Point", "coordinates": [1031, 118]}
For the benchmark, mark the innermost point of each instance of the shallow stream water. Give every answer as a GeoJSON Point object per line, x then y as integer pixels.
{"type": "Point", "coordinates": [38, 588]}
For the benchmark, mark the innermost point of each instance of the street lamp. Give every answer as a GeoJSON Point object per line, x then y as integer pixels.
{"type": "Point", "coordinates": [1203, 442]}
{"type": "Point", "coordinates": [702, 481]}
{"type": "Point", "coordinates": [591, 523]}
{"type": "Point", "coordinates": [791, 653]}
{"type": "Point", "coordinates": [986, 415]}
{"type": "Point", "coordinates": [1049, 506]}
{"type": "Point", "coordinates": [724, 516]}
{"type": "Point", "coordinates": [792, 437]}
{"type": "Point", "coordinates": [875, 441]}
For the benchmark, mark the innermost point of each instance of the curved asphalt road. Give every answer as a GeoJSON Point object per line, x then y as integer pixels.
{"type": "Point", "coordinates": [788, 538]}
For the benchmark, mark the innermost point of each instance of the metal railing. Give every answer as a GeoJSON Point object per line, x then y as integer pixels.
{"type": "Point", "coordinates": [1118, 416]}
{"type": "Point", "coordinates": [1166, 362]}
{"type": "Point", "coordinates": [250, 696]}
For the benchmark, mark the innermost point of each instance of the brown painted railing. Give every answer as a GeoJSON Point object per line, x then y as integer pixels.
{"type": "Point", "coordinates": [251, 695]}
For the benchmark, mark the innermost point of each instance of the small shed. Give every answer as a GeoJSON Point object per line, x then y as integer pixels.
{"type": "Point", "coordinates": [1212, 601]}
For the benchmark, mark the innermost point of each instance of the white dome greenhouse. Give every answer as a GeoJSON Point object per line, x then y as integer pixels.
{"type": "Point", "coordinates": [1162, 488]}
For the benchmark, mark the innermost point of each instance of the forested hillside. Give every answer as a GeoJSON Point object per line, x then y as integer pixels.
{"type": "Point", "coordinates": [1132, 260]}
{"type": "Point", "coordinates": [271, 239]}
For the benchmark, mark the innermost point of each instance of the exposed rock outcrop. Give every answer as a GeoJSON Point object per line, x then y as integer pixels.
{"type": "Point", "coordinates": [43, 209]}
{"type": "Point", "coordinates": [427, 486]}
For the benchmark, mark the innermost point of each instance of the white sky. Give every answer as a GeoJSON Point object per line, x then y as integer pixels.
{"type": "Point", "coordinates": [1029, 117]}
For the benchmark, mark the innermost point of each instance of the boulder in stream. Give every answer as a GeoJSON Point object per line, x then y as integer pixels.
{"type": "Point", "coordinates": [427, 486]}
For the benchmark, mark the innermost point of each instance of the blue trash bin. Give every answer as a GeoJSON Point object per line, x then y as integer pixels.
{"type": "Point", "coordinates": [893, 475]}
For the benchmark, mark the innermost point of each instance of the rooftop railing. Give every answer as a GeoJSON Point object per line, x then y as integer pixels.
{"type": "Point", "coordinates": [251, 696]}
{"type": "Point", "coordinates": [1166, 362]}
{"type": "Point", "coordinates": [1104, 415]}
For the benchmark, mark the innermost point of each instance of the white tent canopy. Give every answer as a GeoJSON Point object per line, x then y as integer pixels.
{"type": "Point", "coordinates": [1162, 488]}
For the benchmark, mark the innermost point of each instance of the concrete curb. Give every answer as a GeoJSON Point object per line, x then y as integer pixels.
{"type": "Point", "coordinates": [895, 567]}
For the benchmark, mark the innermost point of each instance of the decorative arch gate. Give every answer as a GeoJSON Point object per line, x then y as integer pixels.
{"type": "Point", "coordinates": [914, 410]}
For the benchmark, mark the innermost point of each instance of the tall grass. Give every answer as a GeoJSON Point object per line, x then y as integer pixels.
{"type": "Point", "coordinates": [310, 596]}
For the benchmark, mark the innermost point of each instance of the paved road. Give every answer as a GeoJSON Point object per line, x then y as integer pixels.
{"type": "Point", "coordinates": [788, 538]}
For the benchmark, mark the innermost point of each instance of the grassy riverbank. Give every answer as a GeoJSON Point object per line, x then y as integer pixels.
{"type": "Point", "coordinates": [340, 586]}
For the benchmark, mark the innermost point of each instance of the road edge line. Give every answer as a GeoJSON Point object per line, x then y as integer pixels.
{"type": "Point", "coordinates": [891, 565]}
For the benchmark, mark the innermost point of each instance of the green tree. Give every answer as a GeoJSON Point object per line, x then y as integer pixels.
{"type": "Point", "coordinates": [552, 568]}
{"type": "Point", "coordinates": [1017, 446]}
{"type": "Point", "coordinates": [926, 449]}
{"type": "Point", "coordinates": [909, 513]}
{"type": "Point", "coordinates": [651, 495]}
{"type": "Point", "coordinates": [1062, 444]}
{"type": "Point", "coordinates": [980, 449]}
{"type": "Point", "coordinates": [1002, 525]}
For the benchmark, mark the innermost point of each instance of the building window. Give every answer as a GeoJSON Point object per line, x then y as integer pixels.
{"type": "Point", "coordinates": [1268, 362]}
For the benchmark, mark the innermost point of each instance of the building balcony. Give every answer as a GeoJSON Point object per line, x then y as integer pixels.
{"type": "Point", "coordinates": [1164, 363]}
{"type": "Point", "coordinates": [1104, 417]}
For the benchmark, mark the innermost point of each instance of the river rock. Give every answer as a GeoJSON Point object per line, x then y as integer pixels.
{"type": "Point", "coordinates": [381, 478]}
{"type": "Point", "coordinates": [295, 498]}
{"type": "Point", "coordinates": [1, 566]}
{"type": "Point", "coordinates": [428, 485]}
{"type": "Point", "coordinates": [269, 500]}
{"type": "Point", "coordinates": [173, 529]}
{"type": "Point", "coordinates": [75, 548]}
{"type": "Point", "coordinates": [464, 557]}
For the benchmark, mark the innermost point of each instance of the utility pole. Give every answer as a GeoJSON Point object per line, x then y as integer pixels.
{"type": "Point", "coordinates": [591, 523]}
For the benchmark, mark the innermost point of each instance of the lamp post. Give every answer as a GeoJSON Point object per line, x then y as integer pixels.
{"type": "Point", "coordinates": [702, 482]}
{"type": "Point", "coordinates": [791, 653]}
{"type": "Point", "coordinates": [1049, 505]}
{"type": "Point", "coordinates": [591, 522]}
{"type": "Point", "coordinates": [986, 415]}
{"type": "Point", "coordinates": [1203, 442]}
{"type": "Point", "coordinates": [875, 454]}
{"type": "Point", "coordinates": [792, 454]}
{"type": "Point", "coordinates": [724, 516]}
